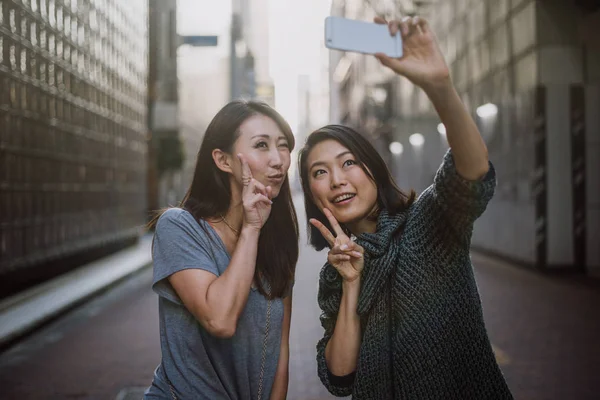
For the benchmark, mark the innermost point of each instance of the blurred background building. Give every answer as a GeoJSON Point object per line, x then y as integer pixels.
{"type": "Point", "coordinates": [529, 72]}
{"type": "Point", "coordinates": [72, 133]}
{"type": "Point", "coordinates": [103, 107]}
{"type": "Point", "coordinates": [100, 124]}
{"type": "Point", "coordinates": [249, 51]}
{"type": "Point", "coordinates": [165, 148]}
{"type": "Point", "coordinates": [239, 68]}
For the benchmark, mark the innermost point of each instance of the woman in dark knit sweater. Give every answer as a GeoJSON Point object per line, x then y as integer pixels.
{"type": "Point", "coordinates": [400, 306]}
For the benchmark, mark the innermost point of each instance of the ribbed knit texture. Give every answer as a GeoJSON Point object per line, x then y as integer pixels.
{"type": "Point", "coordinates": [423, 331]}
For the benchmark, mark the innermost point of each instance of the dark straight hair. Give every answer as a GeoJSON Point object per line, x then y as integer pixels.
{"type": "Point", "coordinates": [389, 195]}
{"type": "Point", "coordinates": [209, 196]}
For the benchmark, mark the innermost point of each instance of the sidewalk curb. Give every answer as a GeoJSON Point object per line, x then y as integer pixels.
{"type": "Point", "coordinates": [23, 312]}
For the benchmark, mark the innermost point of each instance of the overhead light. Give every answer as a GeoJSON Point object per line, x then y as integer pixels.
{"type": "Point", "coordinates": [487, 110]}
{"type": "Point", "coordinates": [396, 148]}
{"type": "Point", "coordinates": [416, 139]}
{"type": "Point", "coordinates": [441, 128]}
{"type": "Point", "coordinates": [379, 94]}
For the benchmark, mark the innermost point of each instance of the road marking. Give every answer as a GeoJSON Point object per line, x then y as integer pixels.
{"type": "Point", "coordinates": [501, 357]}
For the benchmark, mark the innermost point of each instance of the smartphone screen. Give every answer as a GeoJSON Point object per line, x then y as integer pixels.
{"type": "Point", "coordinates": [362, 37]}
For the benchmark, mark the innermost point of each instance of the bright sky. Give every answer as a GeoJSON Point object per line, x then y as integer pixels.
{"type": "Point", "coordinates": [295, 34]}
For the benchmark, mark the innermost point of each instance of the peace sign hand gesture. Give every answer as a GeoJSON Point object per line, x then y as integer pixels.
{"type": "Point", "coordinates": [345, 255]}
{"type": "Point", "coordinates": [256, 198]}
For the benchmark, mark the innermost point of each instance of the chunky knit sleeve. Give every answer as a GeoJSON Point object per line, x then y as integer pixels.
{"type": "Point", "coordinates": [458, 200]}
{"type": "Point", "coordinates": [329, 297]}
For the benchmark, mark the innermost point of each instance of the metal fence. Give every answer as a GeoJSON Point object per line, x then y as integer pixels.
{"type": "Point", "coordinates": [72, 127]}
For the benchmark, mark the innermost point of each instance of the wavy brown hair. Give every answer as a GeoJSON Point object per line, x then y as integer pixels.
{"type": "Point", "coordinates": [209, 196]}
{"type": "Point", "coordinates": [389, 195]}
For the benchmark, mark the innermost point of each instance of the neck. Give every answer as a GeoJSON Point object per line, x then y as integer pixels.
{"type": "Point", "coordinates": [234, 216]}
{"type": "Point", "coordinates": [366, 224]}
{"type": "Point", "coordinates": [229, 223]}
{"type": "Point", "coordinates": [362, 226]}
{"type": "Point", "coordinates": [235, 213]}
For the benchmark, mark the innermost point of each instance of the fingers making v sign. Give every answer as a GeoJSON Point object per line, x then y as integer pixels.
{"type": "Point", "coordinates": [345, 255]}
{"type": "Point", "coordinates": [256, 198]}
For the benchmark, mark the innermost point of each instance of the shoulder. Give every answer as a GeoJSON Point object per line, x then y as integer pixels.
{"type": "Point", "coordinates": [174, 215]}
{"type": "Point", "coordinates": [422, 218]}
{"type": "Point", "coordinates": [416, 212]}
{"type": "Point", "coordinates": [178, 222]}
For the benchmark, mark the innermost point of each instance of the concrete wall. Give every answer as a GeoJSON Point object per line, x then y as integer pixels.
{"type": "Point", "coordinates": [590, 33]}
{"type": "Point", "coordinates": [508, 227]}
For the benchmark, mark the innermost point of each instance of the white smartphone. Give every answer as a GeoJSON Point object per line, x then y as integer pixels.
{"type": "Point", "coordinates": [361, 37]}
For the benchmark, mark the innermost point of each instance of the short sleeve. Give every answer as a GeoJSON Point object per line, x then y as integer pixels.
{"type": "Point", "coordinates": [179, 243]}
{"type": "Point", "coordinates": [459, 200]}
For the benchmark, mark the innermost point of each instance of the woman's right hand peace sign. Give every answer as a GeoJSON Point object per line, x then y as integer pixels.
{"type": "Point", "coordinates": [256, 198]}
{"type": "Point", "coordinates": [345, 255]}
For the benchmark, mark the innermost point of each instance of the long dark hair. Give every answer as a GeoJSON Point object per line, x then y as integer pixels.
{"type": "Point", "coordinates": [209, 196]}
{"type": "Point", "coordinates": [389, 195]}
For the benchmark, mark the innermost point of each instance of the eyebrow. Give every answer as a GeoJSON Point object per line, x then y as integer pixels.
{"type": "Point", "coordinates": [265, 136]}
{"type": "Point", "coordinates": [317, 163]}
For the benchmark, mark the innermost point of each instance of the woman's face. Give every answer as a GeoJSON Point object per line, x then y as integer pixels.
{"type": "Point", "coordinates": [266, 149]}
{"type": "Point", "coordinates": [337, 182]}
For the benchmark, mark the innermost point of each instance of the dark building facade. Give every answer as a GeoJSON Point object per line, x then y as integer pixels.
{"type": "Point", "coordinates": [72, 132]}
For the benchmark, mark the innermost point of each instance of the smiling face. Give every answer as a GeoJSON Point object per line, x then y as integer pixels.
{"type": "Point", "coordinates": [338, 182]}
{"type": "Point", "coordinates": [266, 149]}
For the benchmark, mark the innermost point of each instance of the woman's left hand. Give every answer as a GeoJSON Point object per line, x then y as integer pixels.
{"type": "Point", "coordinates": [422, 61]}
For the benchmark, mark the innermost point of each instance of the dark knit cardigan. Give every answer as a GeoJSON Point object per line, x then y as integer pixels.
{"type": "Point", "coordinates": [422, 324]}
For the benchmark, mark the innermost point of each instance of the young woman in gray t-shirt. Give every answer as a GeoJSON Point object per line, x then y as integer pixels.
{"type": "Point", "coordinates": [224, 264]}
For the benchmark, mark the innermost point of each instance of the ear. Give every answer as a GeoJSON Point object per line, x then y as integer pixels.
{"type": "Point", "coordinates": [223, 160]}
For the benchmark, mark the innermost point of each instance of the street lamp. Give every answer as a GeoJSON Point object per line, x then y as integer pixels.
{"type": "Point", "coordinates": [396, 148]}
{"type": "Point", "coordinates": [487, 110]}
{"type": "Point", "coordinates": [379, 95]}
{"type": "Point", "coordinates": [441, 128]}
{"type": "Point", "coordinates": [416, 139]}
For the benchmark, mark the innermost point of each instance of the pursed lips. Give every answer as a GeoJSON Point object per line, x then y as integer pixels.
{"type": "Point", "coordinates": [277, 178]}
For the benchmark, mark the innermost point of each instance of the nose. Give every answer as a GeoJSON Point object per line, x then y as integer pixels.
{"type": "Point", "coordinates": [337, 179]}
{"type": "Point", "coordinates": [276, 159]}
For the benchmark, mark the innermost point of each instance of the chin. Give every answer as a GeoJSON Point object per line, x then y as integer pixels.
{"type": "Point", "coordinates": [350, 216]}
{"type": "Point", "coordinates": [275, 191]}
{"type": "Point", "coordinates": [345, 217]}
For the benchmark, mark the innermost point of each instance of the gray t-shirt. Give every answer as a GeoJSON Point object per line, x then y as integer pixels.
{"type": "Point", "coordinates": [199, 365]}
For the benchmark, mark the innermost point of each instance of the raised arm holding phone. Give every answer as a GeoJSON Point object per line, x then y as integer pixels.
{"type": "Point", "coordinates": [400, 308]}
